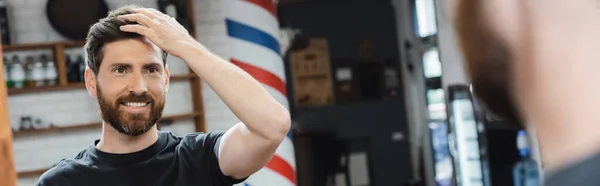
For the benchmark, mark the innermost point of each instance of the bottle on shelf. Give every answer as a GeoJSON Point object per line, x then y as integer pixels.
{"type": "Point", "coordinates": [72, 69]}
{"type": "Point", "coordinates": [28, 65]}
{"type": "Point", "coordinates": [7, 72]}
{"type": "Point", "coordinates": [49, 70]}
{"type": "Point", "coordinates": [82, 66]}
{"type": "Point", "coordinates": [38, 123]}
{"type": "Point", "coordinates": [38, 73]}
{"type": "Point", "coordinates": [525, 170]}
{"type": "Point", "coordinates": [26, 123]}
{"type": "Point", "coordinates": [17, 73]}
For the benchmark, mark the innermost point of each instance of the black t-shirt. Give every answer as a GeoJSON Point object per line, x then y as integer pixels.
{"type": "Point", "coordinates": [171, 160]}
{"type": "Point", "coordinates": [582, 173]}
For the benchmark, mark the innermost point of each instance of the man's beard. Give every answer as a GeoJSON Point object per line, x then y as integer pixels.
{"type": "Point", "coordinates": [127, 123]}
{"type": "Point", "coordinates": [488, 61]}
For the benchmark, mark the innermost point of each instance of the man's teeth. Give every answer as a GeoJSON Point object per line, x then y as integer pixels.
{"type": "Point", "coordinates": [135, 104]}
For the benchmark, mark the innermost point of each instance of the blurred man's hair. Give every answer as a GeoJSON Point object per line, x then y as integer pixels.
{"type": "Point", "coordinates": [107, 30]}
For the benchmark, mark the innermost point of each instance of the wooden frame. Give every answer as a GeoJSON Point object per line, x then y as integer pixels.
{"type": "Point", "coordinates": [8, 173]}
{"type": "Point", "coordinates": [196, 83]}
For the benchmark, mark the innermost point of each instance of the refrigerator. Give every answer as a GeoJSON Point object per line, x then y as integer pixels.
{"type": "Point", "coordinates": [458, 140]}
{"type": "Point", "coordinates": [466, 138]}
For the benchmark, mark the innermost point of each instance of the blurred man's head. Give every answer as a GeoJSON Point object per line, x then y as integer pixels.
{"type": "Point", "coordinates": [127, 73]}
{"type": "Point", "coordinates": [537, 62]}
{"type": "Point", "coordinates": [533, 61]}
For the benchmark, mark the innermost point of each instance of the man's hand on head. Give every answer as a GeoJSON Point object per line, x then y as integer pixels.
{"type": "Point", "coordinates": [161, 29]}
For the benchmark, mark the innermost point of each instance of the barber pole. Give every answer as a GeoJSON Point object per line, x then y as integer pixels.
{"type": "Point", "coordinates": [253, 31]}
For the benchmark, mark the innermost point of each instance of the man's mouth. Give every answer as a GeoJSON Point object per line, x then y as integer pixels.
{"type": "Point", "coordinates": [136, 107]}
{"type": "Point", "coordinates": [136, 104]}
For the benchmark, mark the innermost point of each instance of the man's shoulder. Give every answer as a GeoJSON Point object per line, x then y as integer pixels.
{"type": "Point", "coordinates": [582, 172]}
{"type": "Point", "coordinates": [65, 169]}
{"type": "Point", "coordinates": [200, 138]}
{"type": "Point", "coordinates": [60, 173]}
{"type": "Point", "coordinates": [215, 134]}
{"type": "Point", "coordinates": [198, 145]}
{"type": "Point", "coordinates": [195, 136]}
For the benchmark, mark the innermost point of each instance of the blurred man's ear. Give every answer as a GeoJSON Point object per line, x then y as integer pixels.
{"type": "Point", "coordinates": [90, 82]}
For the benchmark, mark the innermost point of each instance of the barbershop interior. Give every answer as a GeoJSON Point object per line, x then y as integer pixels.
{"type": "Point", "coordinates": [376, 90]}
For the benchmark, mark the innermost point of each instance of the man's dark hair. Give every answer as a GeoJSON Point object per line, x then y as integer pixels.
{"type": "Point", "coordinates": [107, 30]}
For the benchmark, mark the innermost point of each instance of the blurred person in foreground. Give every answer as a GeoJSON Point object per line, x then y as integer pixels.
{"type": "Point", "coordinates": [537, 62]}
{"type": "Point", "coordinates": [127, 73]}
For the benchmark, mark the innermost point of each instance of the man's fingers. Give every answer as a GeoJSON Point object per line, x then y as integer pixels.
{"type": "Point", "coordinates": [151, 13]}
{"type": "Point", "coordinates": [139, 18]}
{"type": "Point", "coordinates": [140, 29]}
{"type": "Point", "coordinates": [144, 11]}
{"type": "Point", "coordinates": [155, 12]}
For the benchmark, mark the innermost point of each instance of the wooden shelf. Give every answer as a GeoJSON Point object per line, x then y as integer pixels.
{"type": "Point", "coordinates": [13, 91]}
{"type": "Point", "coordinates": [71, 86]}
{"type": "Point", "coordinates": [91, 125]}
{"type": "Point", "coordinates": [31, 173]}
{"type": "Point", "coordinates": [33, 46]}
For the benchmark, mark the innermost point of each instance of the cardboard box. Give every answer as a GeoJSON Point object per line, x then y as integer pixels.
{"type": "Point", "coordinates": [311, 74]}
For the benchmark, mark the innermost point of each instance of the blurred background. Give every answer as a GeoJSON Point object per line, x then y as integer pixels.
{"type": "Point", "coordinates": [376, 89]}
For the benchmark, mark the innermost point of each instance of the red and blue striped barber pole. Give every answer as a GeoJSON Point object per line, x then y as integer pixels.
{"type": "Point", "coordinates": [253, 30]}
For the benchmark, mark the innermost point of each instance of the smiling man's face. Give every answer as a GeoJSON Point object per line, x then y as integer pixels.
{"type": "Point", "coordinates": [131, 85]}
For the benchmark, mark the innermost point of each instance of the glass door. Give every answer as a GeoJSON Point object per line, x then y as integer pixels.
{"type": "Point", "coordinates": [436, 106]}
{"type": "Point", "coordinates": [425, 48]}
{"type": "Point", "coordinates": [466, 138]}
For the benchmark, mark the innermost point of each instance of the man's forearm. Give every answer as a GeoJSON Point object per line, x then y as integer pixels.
{"type": "Point", "coordinates": [245, 96]}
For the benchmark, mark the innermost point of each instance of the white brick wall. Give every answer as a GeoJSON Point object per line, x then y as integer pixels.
{"type": "Point", "coordinates": [28, 24]}
{"type": "Point", "coordinates": [212, 32]}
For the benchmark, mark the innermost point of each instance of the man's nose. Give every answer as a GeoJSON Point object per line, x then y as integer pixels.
{"type": "Point", "coordinates": [137, 85]}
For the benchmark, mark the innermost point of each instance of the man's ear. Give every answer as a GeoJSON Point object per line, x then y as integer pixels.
{"type": "Point", "coordinates": [90, 82]}
{"type": "Point", "coordinates": [167, 79]}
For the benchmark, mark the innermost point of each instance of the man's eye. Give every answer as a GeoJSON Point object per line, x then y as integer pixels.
{"type": "Point", "coordinates": [152, 70]}
{"type": "Point", "coordinates": [119, 70]}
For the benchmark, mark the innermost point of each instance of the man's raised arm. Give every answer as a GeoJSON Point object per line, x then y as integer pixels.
{"type": "Point", "coordinates": [248, 146]}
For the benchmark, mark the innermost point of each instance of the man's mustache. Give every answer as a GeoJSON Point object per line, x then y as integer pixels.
{"type": "Point", "coordinates": [143, 98]}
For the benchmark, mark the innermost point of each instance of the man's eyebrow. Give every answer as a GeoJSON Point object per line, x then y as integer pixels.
{"type": "Point", "coordinates": [155, 65]}
{"type": "Point", "coordinates": [126, 65]}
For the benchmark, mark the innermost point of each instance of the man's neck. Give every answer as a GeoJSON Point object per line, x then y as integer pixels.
{"type": "Point", "coordinates": [557, 81]}
{"type": "Point", "coordinates": [562, 105]}
{"type": "Point", "coordinates": [565, 142]}
{"type": "Point", "coordinates": [562, 102]}
{"type": "Point", "coordinates": [112, 141]}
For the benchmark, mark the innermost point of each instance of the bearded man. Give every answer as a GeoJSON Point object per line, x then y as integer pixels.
{"type": "Point", "coordinates": [127, 73]}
